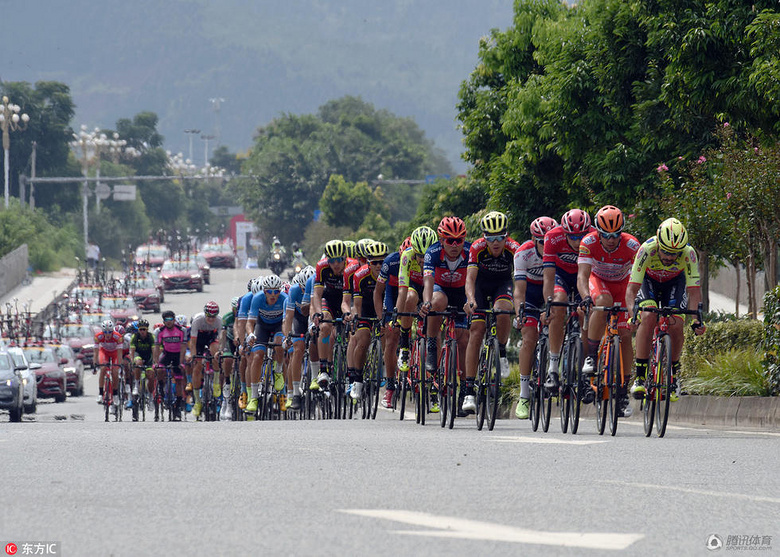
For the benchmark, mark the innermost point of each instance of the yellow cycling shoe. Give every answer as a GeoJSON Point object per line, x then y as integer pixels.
{"type": "Point", "coordinates": [196, 409]}
{"type": "Point", "coordinates": [251, 407]}
{"type": "Point", "coordinates": [314, 386]}
{"type": "Point", "coordinates": [242, 401]}
{"type": "Point", "coordinates": [288, 403]}
{"type": "Point", "coordinates": [217, 390]}
{"type": "Point", "coordinates": [278, 381]}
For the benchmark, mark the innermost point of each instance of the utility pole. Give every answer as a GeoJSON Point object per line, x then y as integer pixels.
{"type": "Point", "coordinates": [190, 132]}
{"type": "Point", "coordinates": [32, 174]}
{"type": "Point", "coordinates": [206, 153]}
{"type": "Point", "coordinates": [216, 103]}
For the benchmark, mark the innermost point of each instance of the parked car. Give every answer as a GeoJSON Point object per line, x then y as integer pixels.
{"type": "Point", "coordinates": [181, 275]}
{"type": "Point", "coordinates": [29, 380]}
{"type": "Point", "coordinates": [11, 388]}
{"type": "Point", "coordinates": [158, 282]}
{"type": "Point", "coordinates": [219, 255]}
{"type": "Point", "coordinates": [52, 382]}
{"type": "Point", "coordinates": [121, 309]}
{"type": "Point", "coordinates": [151, 256]}
{"type": "Point", "coordinates": [205, 269]}
{"type": "Point", "coordinates": [145, 294]}
{"type": "Point", "coordinates": [73, 368]}
{"type": "Point", "coordinates": [79, 336]}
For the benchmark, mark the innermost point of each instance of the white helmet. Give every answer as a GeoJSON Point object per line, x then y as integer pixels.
{"type": "Point", "coordinates": [272, 282]}
{"type": "Point", "coordinates": [256, 285]}
{"type": "Point", "coordinates": [181, 320]}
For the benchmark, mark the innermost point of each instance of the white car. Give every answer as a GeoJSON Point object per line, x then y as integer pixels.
{"type": "Point", "coordinates": [28, 378]}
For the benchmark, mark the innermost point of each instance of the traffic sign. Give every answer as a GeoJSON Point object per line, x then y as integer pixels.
{"type": "Point", "coordinates": [103, 191]}
{"type": "Point", "coordinates": [124, 192]}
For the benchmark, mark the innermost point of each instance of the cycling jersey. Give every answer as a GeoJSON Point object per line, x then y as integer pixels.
{"type": "Point", "coordinates": [294, 301]}
{"type": "Point", "coordinates": [363, 288]}
{"type": "Point", "coordinates": [262, 311]}
{"type": "Point", "coordinates": [446, 273]}
{"type": "Point", "coordinates": [143, 346]}
{"type": "Point", "coordinates": [244, 304]}
{"type": "Point", "coordinates": [491, 267]}
{"type": "Point", "coordinates": [558, 253]}
{"type": "Point", "coordinates": [648, 263]}
{"type": "Point", "coordinates": [171, 340]}
{"type": "Point", "coordinates": [390, 269]}
{"type": "Point", "coordinates": [228, 320]}
{"type": "Point", "coordinates": [307, 292]}
{"type": "Point", "coordinates": [109, 342]}
{"type": "Point", "coordinates": [612, 266]}
{"type": "Point", "coordinates": [529, 265]}
{"type": "Point", "coordinates": [325, 277]}
{"type": "Point", "coordinates": [409, 269]}
{"type": "Point", "coordinates": [350, 268]}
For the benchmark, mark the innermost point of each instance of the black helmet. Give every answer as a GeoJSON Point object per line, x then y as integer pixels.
{"type": "Point", "coordinates": [168, 314]}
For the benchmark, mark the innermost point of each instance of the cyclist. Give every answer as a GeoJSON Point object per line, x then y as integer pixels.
{"type": "Point", "coordinates": [327, 294]}
{"type": "Point", "coordinates": [561, 251]}
{"type": "Point", "coordinates": [264, 324]}
{"type": "Point", "coordinates": [126, 338]}
{"type": "Point", "coordinates": [410, 285]}
{"type": "Point", "coordinates": [385, 297]}
{"type": "Point", "coordinates": [141, 354]}
{"type": "Point", "coordinates": [204, 336]}
{"type": "Point", "coordinates": [529, 276]}
{"type": "Point", "coordinates": [108, 350]}
{"type": "Point", "coordinates": [253, 287]}
{"type": "Point", "coordinates": [347, 306]}
{"type": "Point", "coordinates": [489, 275]}
{"type": "Point", "coordinates": [294, 329]}
{"type": "Point", "coordinates": [227, 344]}
{"type": "Point", "coordinates": [605, 261]}
{"type": "Point", "coordinates": [170, 347]}
{"type": "Point", "coordinates": [444, 279]}
{"type": "Point", "coordinates": [665, 272]}
{"type": "Point", "coordinates": [363, 288]}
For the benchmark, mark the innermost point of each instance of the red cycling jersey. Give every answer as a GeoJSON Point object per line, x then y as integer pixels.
{"type": "Point", "coordinates": [558, 253]}
{"type": "Point", "coordinates": [612, 266]}
{"type": "Point", "coordinates": [109, 342]}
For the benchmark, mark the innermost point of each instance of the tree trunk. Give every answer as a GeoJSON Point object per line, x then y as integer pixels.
{"type": "Point", "coordinates": [704, 273]}
{"type": "Point", "coordinates": [737, 270]}
{"type": "Point", "coordinates": [751, 282]}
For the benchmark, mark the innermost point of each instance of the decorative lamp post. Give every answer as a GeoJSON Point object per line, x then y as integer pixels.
{"type": "Point", "coordinates": [10, 121]}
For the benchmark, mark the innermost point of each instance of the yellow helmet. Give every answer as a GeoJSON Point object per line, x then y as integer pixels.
{"type": "Point", "coordinates": [335, 249]}
{"type": "Point", "coordinates": [672, 236]}
{"type": "Point", "coordinates": [493, 223]}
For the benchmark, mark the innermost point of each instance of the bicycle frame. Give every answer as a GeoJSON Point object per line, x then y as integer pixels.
{"type": "Point", "coordinates": [569, 390]}
{"type": "Point", "coordinates": [488, 380]}
{"type": "Point", "coordinates": [446, 380]}
{"type": "Point", "coordinates": [610, 374]}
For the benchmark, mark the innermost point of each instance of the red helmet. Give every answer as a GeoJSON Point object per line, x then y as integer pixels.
{"type": "Point", "coordinates": [541, 226]}
{"type": "Point", "coordinates": [609, 219]}
{"type": "Point", "coordinates": [407, 243]}
{"type": "Point", "coordinates": [452, 227]}
{"type": "Point", "coordinates": [211, 309]}
{"type": "Point", "coordinates": [575, 221]}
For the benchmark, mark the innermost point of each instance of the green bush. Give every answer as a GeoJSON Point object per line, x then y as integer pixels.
{"type": "Point", "coordinates": [772, 338]}
{"type": "Point", "coordinates": [722, 336]}
{"type": "Point", "coordinates": [50, 246]}
{"type": "Point", "coordinates": [735, 372]}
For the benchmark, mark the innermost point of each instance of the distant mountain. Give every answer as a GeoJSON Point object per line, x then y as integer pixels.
{"type": "Point", "coordinates": [260, 57]}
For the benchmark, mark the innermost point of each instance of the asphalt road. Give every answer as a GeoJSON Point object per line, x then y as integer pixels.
{"type": "Point", "coordinates": [381, 487]}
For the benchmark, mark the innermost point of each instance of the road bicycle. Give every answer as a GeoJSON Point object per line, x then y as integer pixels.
{"type": "Point", "coordinates": [541, 399]}
{"type": "Point", "coordinates": [409, 380]}
{"type": "Point", "coordinates": [109, 400]}
{"type": "Point", "coordinates": [571, 384]}
{"type": "Point", "coordinates": [610, 379]}
{"type": "Point", "coordinates": [165, 395]}
{"type": "Point", "coordinates": [445, 380]}
{"type": "Point", "coordinates": [658, 384]}
{"type": "Point", "coordinates": [338, 384]}
{"type": "Point", "coordinates": [270, 404]}
{"type": "Point", "coordinates": [319, 401]}
{"type": "Point", "coordinates": [488, 380]}
{"type": "Point", "coordinates": [141, 399]}
{"type": "Point", "coordinates": [210, 403]}
{"type": "Point", "coordinates": [372, 371]}
{"type": "Point", "coordinates": [233, 387]}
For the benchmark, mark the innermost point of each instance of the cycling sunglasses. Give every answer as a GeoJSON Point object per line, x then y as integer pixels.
{"type": "Point", "coordinates": [377, 262]}
{"type": "Point", "coordinates": [575, 237]}
{"type": "Point", "coordinates": [610, 235]}
{"type": "Point", "coordinates": [168, 319]}
{"type": "Point", "coordinates": [495, 238]}
{"type": "Point", "coordinates": [668, 253]}
{"type": "Point", "coordinates": [335, 259]}
{"type": "Point", "coordinates": [272, 292]}
{"type": "Point", "coordinates": [453, 241]}
{"type": "Point", "coordinates": [144, 329]}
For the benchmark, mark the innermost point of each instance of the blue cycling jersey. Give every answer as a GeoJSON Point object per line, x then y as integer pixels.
{"type": "Point", "coordinates": [294, 300]}
{"type": "Point", "coordinates": [266, 313]}
{"type": "Point", "coordinates": [244, 305]}
{"type": "Point", "coordinates": [309, 289]}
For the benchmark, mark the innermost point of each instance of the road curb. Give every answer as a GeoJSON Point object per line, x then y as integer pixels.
{"type": "Point", "coordinates": [750, 412]}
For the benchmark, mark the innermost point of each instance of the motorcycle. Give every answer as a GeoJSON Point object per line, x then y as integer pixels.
{"type": "Point", "coordinates": [298, 264]}
{"type": "Point", "coordinates": [277, 261]}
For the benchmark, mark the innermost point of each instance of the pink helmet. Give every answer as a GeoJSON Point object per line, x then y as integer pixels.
{"type": "Point", "coordinates": [541, 226]}
{"type": "Point", "coordinates": [575, 221]}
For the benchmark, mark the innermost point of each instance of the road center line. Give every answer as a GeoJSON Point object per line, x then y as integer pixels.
{"type": "Point", "coordinates": [451, 527]}
{"type": "Point", "coordinates": [757, 498]}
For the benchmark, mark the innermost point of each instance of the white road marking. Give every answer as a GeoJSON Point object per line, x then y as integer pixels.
{"type": "Point", "coordinates": [451, 527]}
{"type": "Point", "coordinates": [757, 498]}
{"type": "Point", "coordinates": [546, 440]}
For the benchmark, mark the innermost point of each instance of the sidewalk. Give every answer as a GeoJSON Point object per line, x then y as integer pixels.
{"type": "Point", "coordinates": [42, 291]}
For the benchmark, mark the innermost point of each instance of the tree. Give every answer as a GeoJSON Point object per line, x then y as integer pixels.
{"type": "Point", "coordinates": [347, 204]}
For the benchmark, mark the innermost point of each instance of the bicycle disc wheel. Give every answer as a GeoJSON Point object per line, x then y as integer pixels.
{"type": "Point", "coordinates": [664, 384]}
{"type": "Point", "coordinates": [481, 385]}
{"type": "Point", "coordinates": [578, 384]}
{"type": "Point", "coordinates": [602, 389]}
{"type": "Point", "coordinates": [452, 384]}
{"type": "Point", "coordinates": [545, 408]}
{"type": "Point", "coordinates": [492, 385]}
{"type": "Point", "coordinates": [614, 385]}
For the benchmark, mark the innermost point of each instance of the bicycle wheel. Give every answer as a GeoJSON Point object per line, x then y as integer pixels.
{"type": "Point", "coordinates": [649, 401]}
{"type": "Point", "coordinates": [664, 387]}
{"type": "Point", "coordinates": [481, 385]}
{"type": "Point", "coordinates": [377, 380]}
{"type": "Point", "coordinates": [602, 388]}
{"type": "Point", "coordinates": [614, 384]}
{"type": "Point", "coordinates": [493, 385]}
{"type": "Point", "coordinates": [402, 390]}
{"type": "Point", "coordinates": [442, 381]}
{"type": "Point", "coordinates": [107, 395]}
{"type": "Point", "coordinates": [564, 391]}
{"type": "Point", "coordinates": [577, 386]}
{"type": "Point", "coordinates": [452, 383]}
{"type": "Point", "coordinates": [340, 382]}
{"type": "Point", "coordinates": [143, 397]}
{"type": "Point", "coordinates": [545, 397]}
{"type": "Point", "coordinates": [535, 402]}
{"type": "Point", "coordinates": [265, 401]}
{"type": "Point", "coordinates": [422, 392]}
{"type": "Point", "coordinates": [121, 398]}
{"type": "Point", "coordinates": [205, 397]}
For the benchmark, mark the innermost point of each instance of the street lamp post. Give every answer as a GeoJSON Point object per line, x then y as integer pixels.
{"type": "Point", "coordinates": [9, 121]}
{"type": "Point", "coordinates": [206, 153]}
{"type": "Point", "coordinates": [190, 132]}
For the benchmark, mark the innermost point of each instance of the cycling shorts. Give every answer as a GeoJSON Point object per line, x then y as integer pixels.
{"type": "Point", "coordinates": [495, 290]}
{"type": "Point", "coordinates": [204, 340]}
{"type": "Point", "coordinates": [617, 290]}
{"type": "Point", "coordinates": [672, 293]}
{"type": "Point", "coordinates": [534, 302]}
{"type": "Point", "coordinates": [566, 283]}
{"type": "Point", "coordinates": [266, 332]}
{"type": "Point", "coordinates": [455, 297]}
{"type": "Point", "coordinates": [172, 359]}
